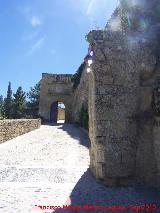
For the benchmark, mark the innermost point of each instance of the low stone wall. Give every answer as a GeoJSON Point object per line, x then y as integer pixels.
{"type": "Point", "coordinates": [10, 129]}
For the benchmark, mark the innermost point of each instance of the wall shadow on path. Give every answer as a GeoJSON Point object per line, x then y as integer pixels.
{"type": "Point", "coordinates": [52, 124]}
{"type": "Point", "coordinates": [88, 191]}
{"type": "Point", "coordinates": [76, 133]}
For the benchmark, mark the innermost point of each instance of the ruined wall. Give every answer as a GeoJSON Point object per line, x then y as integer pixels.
{"type": "Point", "coordinates": [80, 96]}
{"type": "Point", "coordinates": [121, 83]}
{"type": "Point", "coordinates": [61, 114]}
{"type": "Point", "coordinates": [55, 88]}
{"type": "Point", "coordinates": [12, 128]}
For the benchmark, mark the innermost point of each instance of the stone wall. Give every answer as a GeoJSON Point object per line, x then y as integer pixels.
{"type": "Point", "coordinates": [55, 88]}
{"type": "Point", "coordinates": [123, 75]}
{"type": "Point", "coordinates": [61, 114]}
{"type": "Point", "coordinates": [10, 129]}
{"type": "Point", "coordinates": [80, 96]}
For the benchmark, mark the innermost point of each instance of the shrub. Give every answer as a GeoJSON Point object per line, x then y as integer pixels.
{"type": "Point", "coordinates": [83, 118]}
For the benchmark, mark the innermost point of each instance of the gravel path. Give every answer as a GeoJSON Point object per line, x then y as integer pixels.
{"type": "Point", "coordinates": [49, 167]}
{"type": "Point", "coordinates": [41, 167]}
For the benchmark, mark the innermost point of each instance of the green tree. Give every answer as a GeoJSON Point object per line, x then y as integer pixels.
{"type": "Point", "coordinates": [8, 103]}
{"type": "Point", "coordinates": [83, 117]}
{"type": "Point", "coordinates": [1, 107]}
{"type": "Point", "coordinates": [33, 103]}
{"type": "Point", "coordinates": [19, 104]}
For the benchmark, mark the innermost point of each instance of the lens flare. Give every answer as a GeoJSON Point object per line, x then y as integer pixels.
{"type": "Point", "coordinates": [91, 53]}
{"type": "Point", "coordinates": [90, 62]}
{"type": "Point", "coordinates": [88, 70]}
{"type": "Point", "coordinates": [129, 21]}
{"type": "Point", "coordinates": [143, 23]}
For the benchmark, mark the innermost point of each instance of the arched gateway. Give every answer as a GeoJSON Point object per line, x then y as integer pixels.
{"type": "Point", "coordinates": [55, 89]}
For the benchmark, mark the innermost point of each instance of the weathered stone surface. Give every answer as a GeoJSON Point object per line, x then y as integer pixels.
{"type": "Point", "coordinates": [123, 74]}
{"type": "Point", "coordinates": [120, 158]}
{"type": "Point", "coordinates": [146, 160]}
{"type": "Point", "coordinates": [55, 88]}
{"type": "Point", "coordinates": [80, 96]}
{"type": "Point", "coordinates": [12, 128]}
{"type": "Point", "coordinates": [61, 114]}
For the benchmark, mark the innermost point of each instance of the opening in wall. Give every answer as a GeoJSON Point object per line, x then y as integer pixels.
{"type": "Point", "coordinates": [57, 112]}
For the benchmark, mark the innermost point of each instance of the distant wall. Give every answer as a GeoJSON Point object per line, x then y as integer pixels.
{"type": "Point", "coordinates": [61, 114]}
{"type": "Point", "coordinates": [54, 87]}
{"type": "Point", "coordinates": [80, 96]}
{"type": "Point", "coordinates": [10, 129]}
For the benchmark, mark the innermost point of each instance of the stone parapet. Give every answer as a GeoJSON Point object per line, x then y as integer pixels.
{"type": "Point", "coordinates": [10, 129]}
{"type": "Point", "coordinates": [57, 77]}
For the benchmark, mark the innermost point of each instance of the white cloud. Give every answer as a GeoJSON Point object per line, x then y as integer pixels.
{"type": "Point", "coordinates": [95, 10]}
{"type": "Point", "coordinates": [91, 7]}
{"type": "Point", "coordinates": [100, 7]}
{"type": "Point", "coordinates": [35, 21]}
{"type": "Point", "coordinates": [36, 46]}
{"type": "Point", "coordinates": [88, 8]}
{"type": "Point", "coordinates": [28, 13]}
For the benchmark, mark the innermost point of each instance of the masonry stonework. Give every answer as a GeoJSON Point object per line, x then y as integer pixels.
{"type": "Point", "coordinates": [55, 88]}
{"type": "Point", "coordinates": [80, 96]}
{"type": "Point", "coordinates": [10, 129]}
{"type": "Point", "coordinates": [125, 69]}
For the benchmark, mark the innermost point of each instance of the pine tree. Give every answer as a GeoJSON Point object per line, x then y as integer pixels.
{"type": "Point", "coordinates": [1, 107]}
{"type": "Point", "coordinates": [19, 103]}
{"type": "Point", "coordinates": [8, 103]}
{"type": "Point", "coordinates": [33, 103]}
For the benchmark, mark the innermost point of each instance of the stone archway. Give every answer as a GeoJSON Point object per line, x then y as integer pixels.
{"type": "Point", "coordinates": [53, 89]}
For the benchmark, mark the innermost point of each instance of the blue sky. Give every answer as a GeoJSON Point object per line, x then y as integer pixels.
{"type": "Point", "coordinates": [39, 36]}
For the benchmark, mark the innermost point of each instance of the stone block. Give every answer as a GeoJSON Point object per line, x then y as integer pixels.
{"type": "Point", "coordinates": [120, 160]}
